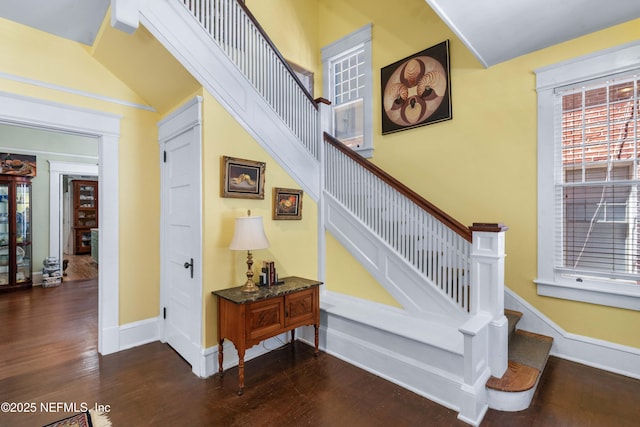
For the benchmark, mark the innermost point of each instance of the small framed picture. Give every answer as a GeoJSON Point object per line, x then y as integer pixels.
{"type": "Point", "coordinates": [287, 203]}
{"type": "Point", "coordinates": [243, 179]}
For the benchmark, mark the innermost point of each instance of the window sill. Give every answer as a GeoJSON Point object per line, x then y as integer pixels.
{"type": "Point", "coordinates": [620, 296]}
{"type": "Point", "coordinates": [367, 153]}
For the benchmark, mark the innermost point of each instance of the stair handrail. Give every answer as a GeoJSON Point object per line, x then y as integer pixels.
{"type": "Point", "coordinates": [434, 243]}
{"type": "Point", "coordinates": [237, 32]}
{"type": "Point", "coordinates": [403, 189]}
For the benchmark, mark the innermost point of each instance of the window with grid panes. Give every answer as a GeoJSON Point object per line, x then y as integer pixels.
{"type": "Point", "coordinates": [588, 184]}
{"type": "Point", "coordinates": [348, 83]}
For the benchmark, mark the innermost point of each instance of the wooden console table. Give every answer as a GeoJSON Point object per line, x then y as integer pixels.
{"type": "Point", "coordinates": [246, 319]}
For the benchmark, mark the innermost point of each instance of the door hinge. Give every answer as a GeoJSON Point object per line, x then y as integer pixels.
{"type": "Point", "coordinates": [165, 156]}
{"type": "Point", "coordinates": [164, 312]}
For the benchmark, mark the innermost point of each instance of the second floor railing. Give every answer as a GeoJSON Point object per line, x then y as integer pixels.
{"type": "Point", "coordinates": [237, 33]}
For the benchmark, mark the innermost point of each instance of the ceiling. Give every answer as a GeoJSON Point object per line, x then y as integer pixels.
{"type": "Point", "coordinates": [77, 20]}
{"type": "Point", "coordinates": [494, 30]}
{"type": "Point", "coordinates": [499, 30]}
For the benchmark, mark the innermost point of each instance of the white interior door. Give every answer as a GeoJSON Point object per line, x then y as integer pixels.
{"type": "Point", "coordinates": [181, 238]}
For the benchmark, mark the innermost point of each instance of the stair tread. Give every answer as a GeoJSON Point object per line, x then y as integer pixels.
{"type": "Point", "coordinates": [528, 354]}
{"type": "Point", "coordinates": [530, 349]}
{"type": "Point", "coordinates": [517, 378]}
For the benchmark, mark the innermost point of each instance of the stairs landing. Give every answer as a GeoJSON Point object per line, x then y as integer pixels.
{"type": "Point", "coordinates": [528, 354]}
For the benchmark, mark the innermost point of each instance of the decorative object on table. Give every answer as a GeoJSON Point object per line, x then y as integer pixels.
{"type": "Point", "coordinates": [416, 90]}
{"type": "Point", "coordinates": [248, 236]}
{"type": "Point", "coordinates": [17, 164]}
{"type": "Point", "coordinates": [269, 275]}
{"type": "Point", "coordinates": [243, 179]}
{"type": "Point", "coordinates": [51, 272]}
{"type": "Point", "coordinates": [287, 203]}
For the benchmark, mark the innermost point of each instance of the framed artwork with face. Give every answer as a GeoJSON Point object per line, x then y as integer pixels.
{"type": "Point", "coordinates": [416, 90]}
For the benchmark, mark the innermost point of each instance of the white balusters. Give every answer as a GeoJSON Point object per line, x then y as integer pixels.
{"type": "Point", "coordinates": [233, 30]}
{"type": "Point", "coordinates": [437, 251]}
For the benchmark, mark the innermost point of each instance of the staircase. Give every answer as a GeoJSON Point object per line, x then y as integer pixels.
{"type": "Point", "coordinates": [528, 354]}
{"type": "Point", "coordinates": [451, 334]}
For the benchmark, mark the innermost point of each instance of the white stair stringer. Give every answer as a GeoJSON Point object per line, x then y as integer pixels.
{"type": "Point", "coordinates": [189, 43]}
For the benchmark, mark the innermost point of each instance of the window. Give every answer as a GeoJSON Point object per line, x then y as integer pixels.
{"type": "Point", "coordinates": [348, 85]}
{"type": "Point", "coordinates": [588, 178]}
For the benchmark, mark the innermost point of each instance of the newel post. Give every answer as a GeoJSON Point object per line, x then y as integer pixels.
{"type": "Point", "coordinates": [487, 290]}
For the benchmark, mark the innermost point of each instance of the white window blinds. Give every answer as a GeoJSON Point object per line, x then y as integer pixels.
{"type": "Point", "coordinates": [597, 179]}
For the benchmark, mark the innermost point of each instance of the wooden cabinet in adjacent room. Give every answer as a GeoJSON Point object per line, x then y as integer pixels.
{"type": "Point", "coordinates": [15, 232]}
{"type": "Point", "coordinates": [85, 214]}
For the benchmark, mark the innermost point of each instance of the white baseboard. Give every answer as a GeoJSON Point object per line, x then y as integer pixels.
{"type": "Point", "coordinates": [600, 354]}
{"type": "Point", "coordinates": [209, 356]}
{"type": "Point", "coordinates": [139, 333]}
{"type": "Point", "coordinates": [36, 278]}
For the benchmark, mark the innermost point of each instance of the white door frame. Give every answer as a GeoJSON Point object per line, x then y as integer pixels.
{"type": "Point", "coordinates": [56, 172]}
{"type": "Point", "coordinates": [186, 117]}
{"type": "Point", "coordinates": [41, 114]}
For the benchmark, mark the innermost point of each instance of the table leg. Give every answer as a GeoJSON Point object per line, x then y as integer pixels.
{"type": "Point", "coordinates": [293, 336]}
{"type": "Point", "coordinates": [316, 328]}
{"type": "Point", "coordinates": [220, 355]}
{"type": "Point", "coordinates": [240, 372]}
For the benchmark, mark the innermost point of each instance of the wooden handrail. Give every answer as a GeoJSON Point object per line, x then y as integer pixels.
{"type": "Point", "coordinates": [427, 206]}
{"type": "Point", "coordinates": [277, 52]}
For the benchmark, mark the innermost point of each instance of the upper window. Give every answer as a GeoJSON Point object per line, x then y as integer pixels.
{"type": "Point", "coordinates": [348, 85]}
{"type": "Point", "coordinates": [589, 172]}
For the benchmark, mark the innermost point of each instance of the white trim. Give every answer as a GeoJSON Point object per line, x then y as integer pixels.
{"type": "Point", "coordinates": [610, 61]}
{"type": "Point", "coordinates": [549, 282]}
{"type": "Point", "coordinates": [56, 171]}
{"type": "Point", "coordinates": [49, 153]}
{"type": "Point", "coordinates": [359, 38]}
{"type": "Point", "coordinates": [600, 354]}
{"type": "Point", "coordinates": [37, 113]}
{"type": "Point", "coordinates": [402, 349]}
{"type": "Point", "coordinates": [139, 333]}
{"type": "Point", "coordinates": [72, 91]}
{"type": "Point", "coordinates": [209, 356]}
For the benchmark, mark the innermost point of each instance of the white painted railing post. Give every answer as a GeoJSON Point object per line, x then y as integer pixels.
{"type": "Point", "coordinates": [487, 289]}
{"type": "Point", "coordinates": [324, 125]}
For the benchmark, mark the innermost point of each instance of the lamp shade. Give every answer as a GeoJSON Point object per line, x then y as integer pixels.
{"type": "Point", "coordinates": [249, 234]}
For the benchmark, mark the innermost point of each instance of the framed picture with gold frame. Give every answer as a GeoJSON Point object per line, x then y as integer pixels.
{"type": "Point", "coordinates": [287, 203]}
{"type": "Point", "coordinates": [242, 179]}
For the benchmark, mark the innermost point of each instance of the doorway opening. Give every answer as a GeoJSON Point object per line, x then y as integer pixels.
{"type": "Point", "coordinates": [80, 227]}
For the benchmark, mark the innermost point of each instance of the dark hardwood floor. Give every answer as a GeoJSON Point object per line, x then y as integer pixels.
{"type": "Point", "coordinates": [48, 356]}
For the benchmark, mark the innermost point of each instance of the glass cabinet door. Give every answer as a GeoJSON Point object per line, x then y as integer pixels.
{"type": "Point", "coordinates": [4, 234]}
{"type": "Point", "coordinates": [23, 232]}
{"type": "Point", "coordinates": [87, 197]}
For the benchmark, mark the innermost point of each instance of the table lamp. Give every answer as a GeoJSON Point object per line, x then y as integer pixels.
{"type": "Point", "coordinates": [249, 235]}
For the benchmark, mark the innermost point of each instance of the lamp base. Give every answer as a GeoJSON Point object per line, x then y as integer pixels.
{"type": "Point", "coordinates": [249, 287]}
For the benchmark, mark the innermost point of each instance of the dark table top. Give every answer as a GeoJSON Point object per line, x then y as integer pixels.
{"type": "Point", "coordinates": [291, 284]}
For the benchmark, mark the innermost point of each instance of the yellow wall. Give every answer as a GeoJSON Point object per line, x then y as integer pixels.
{"type": "Point", "coordinates": [51, 60]}
{"type": "Point", "coordinates": [292, 25]}
{"type": "Point", "coordinates": [293, 243]}
{"type": "Point", "coordinates": [485, 156]}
